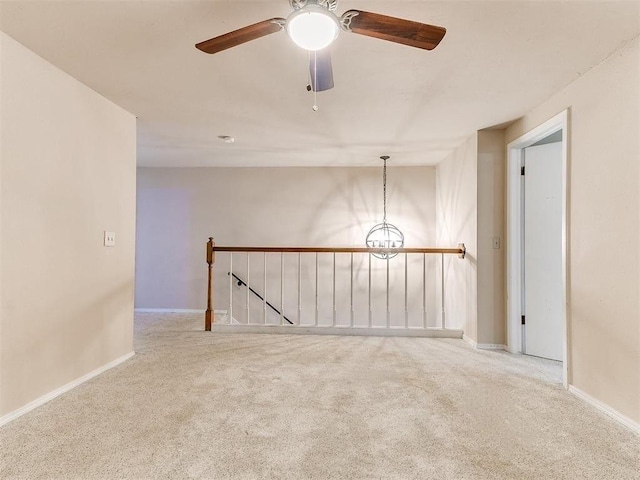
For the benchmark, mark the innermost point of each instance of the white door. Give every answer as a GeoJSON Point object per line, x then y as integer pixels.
{"type": "Point", "coordinates": [542, 299]}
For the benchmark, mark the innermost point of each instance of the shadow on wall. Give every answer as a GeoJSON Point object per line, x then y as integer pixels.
{"type": "Point", "coordinates": [321, 223]}
{"type": "Point", "coordinates": [361, 199]}
{"type": "Point", "coordinates": [456, 219]}
{"type": "Point", "coordinates": [178, 209]}
{"type": "Point", "coordinates": [345, 212]}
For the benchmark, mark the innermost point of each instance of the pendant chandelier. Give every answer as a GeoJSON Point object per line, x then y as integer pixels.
{"type": "Point", "coordinates": [385, 235]}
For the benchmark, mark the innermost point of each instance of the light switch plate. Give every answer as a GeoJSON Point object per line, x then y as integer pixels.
{"type": "Point", "coordinates": [109, 239]}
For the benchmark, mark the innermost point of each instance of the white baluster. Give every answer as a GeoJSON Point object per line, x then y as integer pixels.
{"type": "Point", "coordinates": [231, 280]}
{"type": "Point", "coordinates": [299, 291]}
{"type": "Point", "coordinates": [351, 295]}
{"type": "Point", "coordinates": [370, 310]}
{"type": "Point", "coordinates": [264, 293]}
{"type": "Point", "coordinates": [388, 310]}
{"type": "Point", "coordinates": [442, 288]}
{"type": "Point", "coordinates": [424, 290]}
{"type": "Point", "coordinates": [333, 323]}
{"type": "Point", "coordinates": [315, 323]}
{"type": "Point", "coordinates": [281, 288]}
{"type": "Point", "coordinates": [406, 295]}
{"type": "Point", "coordinates": [248, 291]}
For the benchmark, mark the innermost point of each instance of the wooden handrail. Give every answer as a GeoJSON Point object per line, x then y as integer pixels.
{"type": "Point", "coordinates": [455, 251]}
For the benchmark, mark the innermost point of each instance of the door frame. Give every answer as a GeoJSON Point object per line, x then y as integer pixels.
{"type": "Point", "coordinates": [515, 218]}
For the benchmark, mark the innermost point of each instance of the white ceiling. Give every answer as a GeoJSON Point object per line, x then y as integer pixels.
{"type": "Point", "coordinates": [498, 60]}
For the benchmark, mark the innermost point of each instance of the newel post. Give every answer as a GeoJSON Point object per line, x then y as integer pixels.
{"type": "Point", "coordinates": [211, 259]}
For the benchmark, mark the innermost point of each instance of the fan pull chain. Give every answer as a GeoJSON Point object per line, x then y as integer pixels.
{"type": "Point", "coordinates": [315, 74]}
{"type": "Point", "coordinates": [314, 80]}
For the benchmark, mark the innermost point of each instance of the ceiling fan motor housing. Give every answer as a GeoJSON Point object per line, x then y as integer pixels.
{"type": "Point", "coordinates": [330, 5]}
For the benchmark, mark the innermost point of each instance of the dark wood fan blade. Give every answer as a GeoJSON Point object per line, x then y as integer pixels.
{"type": "Point", "coordinates": [320, 70]}
{"type": "Point", "coordinates": [242, 35]}
{"type": "Point", "coordinates": [392, 29]}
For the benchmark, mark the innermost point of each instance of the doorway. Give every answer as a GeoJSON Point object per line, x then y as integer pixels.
{"type": "Point", "coordinates": [537, 242]}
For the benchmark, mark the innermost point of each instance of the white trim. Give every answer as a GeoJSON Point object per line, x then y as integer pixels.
{"type": "Point", "coordinates": [490, 346]}
{"type": "Point", "coordinates": [606, 409]}
{"type": "Point", "coordinates": [357, 331]}
{"type": "Point", "coordinates": [177, 310]}
{"type": "Point", "coordinates": [514, 238]}
{"type": "Point", "coordinates": [64, 389]}
{"type": "Point", "coordinates": [483, 346]}
{"type": "Point", "coordinates": [470, 341]}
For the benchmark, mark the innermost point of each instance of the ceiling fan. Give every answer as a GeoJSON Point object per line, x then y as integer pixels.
{"type": "Point", "coordinates": [313, 26]}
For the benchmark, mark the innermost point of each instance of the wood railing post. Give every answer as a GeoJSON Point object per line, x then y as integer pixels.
{"type": "Point", "coordinates": [211, 259]}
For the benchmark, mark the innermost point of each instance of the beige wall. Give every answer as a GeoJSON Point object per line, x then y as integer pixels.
{"type": "Point", "coordinates": [470, 209]}
{"type": "Point", "coordinates": [178, 208]}
{"type": "Point", "coordinates": [67, 173]}
{"type": "Point", "coordinates": [603, 227]}
{"type": "Point", "coordinates": [491, 222]}
{"type": "Point", "coordinates": [456, 222]}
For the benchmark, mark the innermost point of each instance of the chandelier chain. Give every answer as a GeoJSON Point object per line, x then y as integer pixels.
{"type": "Point", "coordinates": [384, 191]}
{"type": "Point", "coordinates": [384, 235]}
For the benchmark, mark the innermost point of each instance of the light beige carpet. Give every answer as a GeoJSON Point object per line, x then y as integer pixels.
{"type": "Point", "coordinates": [192, 404]}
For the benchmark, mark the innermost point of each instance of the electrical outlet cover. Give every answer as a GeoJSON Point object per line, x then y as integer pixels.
{"type": "Point", "coordinates": [109, 239]}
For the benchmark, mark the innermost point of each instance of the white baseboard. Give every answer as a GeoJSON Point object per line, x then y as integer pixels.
{"type": "Point", "coordinates": [606, 409]}
{"type": "Point", "coordinates": [59, 391]}
{"type": "Point", "coordinates": [490, 346]}
{"type": "Point", "coordinates": [483, 346]}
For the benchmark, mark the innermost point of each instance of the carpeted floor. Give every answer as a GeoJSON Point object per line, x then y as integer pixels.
{"type": "Point", "coordinates": [198, 405]}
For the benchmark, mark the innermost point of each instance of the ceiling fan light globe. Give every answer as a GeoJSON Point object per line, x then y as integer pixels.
{"type": "Point", "coordinates": [312, 27]}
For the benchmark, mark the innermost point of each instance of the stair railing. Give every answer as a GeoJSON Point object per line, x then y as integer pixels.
{"type": "Point", "coordinates": [212, 248]}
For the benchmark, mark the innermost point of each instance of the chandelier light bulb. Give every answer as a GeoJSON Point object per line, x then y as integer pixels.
{"type": "Point", "coordinates": [385, 235]}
